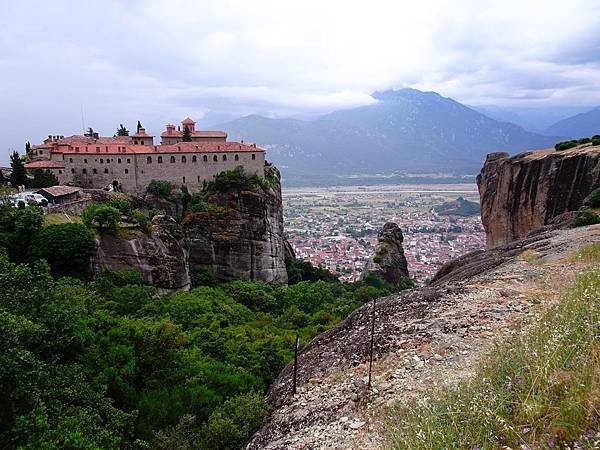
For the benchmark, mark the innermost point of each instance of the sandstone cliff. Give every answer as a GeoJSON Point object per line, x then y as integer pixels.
{"type": "Point", "coordinates": [239, 235]}
{"type": "Point", "coordinates": [527, 191]}
{"type": "Point", "coordinates": [424, 337]}
{"type": "Point", "coordinates": [161, 255]}
{"type": "Point", "coordinates": [389, 261]}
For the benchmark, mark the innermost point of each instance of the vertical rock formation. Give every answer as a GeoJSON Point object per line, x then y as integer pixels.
{"type": "Point", "coordinates": [240, 234]}
{"type": "Point", "coordinates": [527, 191]}
{"type": "Point", "coordinates": [389, 261]}
{"type": "Point", "coordinates": [161, 256]}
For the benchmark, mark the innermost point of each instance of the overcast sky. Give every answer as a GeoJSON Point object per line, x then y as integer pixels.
{"type": "Point", "coordinates": [160, 60]}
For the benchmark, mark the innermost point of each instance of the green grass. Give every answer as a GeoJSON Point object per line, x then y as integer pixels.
{"type": "Point", "coordinates": [588, 254]}
{"type": "Point", "coordinates": [540, 390]}
{"type": "Point", "coordinates": [60, 218]}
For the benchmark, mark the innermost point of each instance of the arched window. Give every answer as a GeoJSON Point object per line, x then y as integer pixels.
{"type": "Point", "coordinates": [183, 180]}
{"type": "Point", "coordinates": [194, 159]}
{"type": "Point", "coordinates": [129, 160]}
{"type": "Point", "coordinates": [205, 158]}
{"type": "Point", "coordinates": [183, 159]}
{"type": "Point", "coordinates": [224, 157]}
{"type": "Point", "coordinates": [215, 158]}
{"type": "Point", "coordinates": [72, 170]}
{"type": "Point", "coordinates": [85, 160]}
{"type": "Point", "coordinates": [237, 157]}
{"type": "Point", "coordinates": [70, 160]}
{"type": "Point", "coordinates": [148, 160]}
{"type": "Point", "coordinates": [198, 178]}
{"type": "Point", "coordinates": [126, 170]}
{"type": "Point", "coordinates": [119, 161]}
{"type": "Point", "coordinates": [253, 156]}
{"type": "Point", "coordinates": [95, 171]}
{"type": "Point", "coordinates": [172, 159]}
{"type": "Point", "coordinates": [160, 159]}
{"type": "Point", "coordinates": [101, 160]}
{"type": "Point", "coordinates": [83, 171]}
{"type": "Point", "coordinates": [105, 170]}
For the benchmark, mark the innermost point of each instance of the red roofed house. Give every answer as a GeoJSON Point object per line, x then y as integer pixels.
{"type": "Point", "coordinates": [133, 161]}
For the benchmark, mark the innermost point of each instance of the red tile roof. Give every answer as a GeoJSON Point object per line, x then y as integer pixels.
{"type": "Point", "coordinates": [59, 191]}
{"type": "Point", "coordinates": [187, 120]}
{"type": "Point", "coordinates": [45, 164]}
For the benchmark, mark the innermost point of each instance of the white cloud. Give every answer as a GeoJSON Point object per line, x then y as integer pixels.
{"type": "Point", "coordinates": [161, 59]}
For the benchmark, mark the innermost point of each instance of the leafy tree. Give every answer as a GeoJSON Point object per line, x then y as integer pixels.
{"type": "Point", "coordinates": [593, 200]}
{"type": "Point", "coordinates": [141, 219]}
{"type": "Point", "coordinates": [43, 178]}
{"type": "Point", "coordinates": [122, 131]}
{"type": "Point", "coordinates": [101, 216]}
{"type": "Point", "coordinates": [121, 203]}
{"type": "Point", "coordinates": [18, 176]}
{"type": "Point", "coordinates": [584, 218]}
{"type": "Point", "coordinates": [91, 133]}
{"type": "Point", "coordinates": [187, 135]}
{"type": "Point", "coordinates": [67, 248]}
{"type": "Point", "coordinates": [159, 188]}
{"type": "Point", "coordinates": [565, 145]}
{"type": "Point", "coordinates": [186, 197]}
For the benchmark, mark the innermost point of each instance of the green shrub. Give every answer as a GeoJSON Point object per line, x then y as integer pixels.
{"type": "Point", "coordinates": [101, 216]}
{"type": "Point", "coordinates": [204, 276]}
{"type": "Point", "coordinates": [67, 248]}
{"type": "Point", "coordinates": [565, 145]}
{"type": "Point", "coordinates": [596, 141]}
{"type": "Point", "coordinates": [141, 219]}
{"type": "Point", "coordinates": [159, 188]}
{"type": "Point", "coordinates": [232, 180]}
{"type": "Point", "coordinates": [584, 218]}
{"type": "Point", "coordinates": [120, 203]}
{"type": "Point", "coordinates": [156, 212]}
{"type": "Point", "coordinates": [231, 424]}
{"type": "Point", "coordinates": [584, 141]}
{"type": "Point", "coordinates": [593, 200]}
{"type": "Point", "coordinates": [596, 136]}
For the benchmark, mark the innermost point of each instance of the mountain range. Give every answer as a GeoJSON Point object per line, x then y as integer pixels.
{"type": "Point", "coordinates": [405, 131]}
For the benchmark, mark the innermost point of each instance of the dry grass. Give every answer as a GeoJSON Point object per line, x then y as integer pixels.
{"type": "Point", "coordinates": [59, 218]}
{"type": "Point", "coordinates": [590, 254]}
{"type": "Point", "coordinates": [531, 257]}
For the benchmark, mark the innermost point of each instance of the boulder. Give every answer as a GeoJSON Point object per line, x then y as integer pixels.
{"type": "Point", "coordinates": [389, 261]}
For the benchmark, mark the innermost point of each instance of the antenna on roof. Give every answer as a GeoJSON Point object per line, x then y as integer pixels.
{"type": "Point", "coordinates": [82, 121]}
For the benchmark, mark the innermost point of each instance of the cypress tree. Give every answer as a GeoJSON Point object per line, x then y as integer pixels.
{"type": "Point", "coordinates": [122, 131]}
{"type": "Point", "coordinates": [19, 174]}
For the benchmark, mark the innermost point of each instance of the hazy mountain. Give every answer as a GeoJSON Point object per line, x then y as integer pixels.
{"type": "Point", "coordinates": [585, 124]}
{"type": "Point", "coordinates": [406, 130]}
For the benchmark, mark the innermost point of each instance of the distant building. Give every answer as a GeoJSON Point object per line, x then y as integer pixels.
{"type": "Point", "coordinates": [57, 195]}
{"type": "Point", "coordinates": [131, 162]}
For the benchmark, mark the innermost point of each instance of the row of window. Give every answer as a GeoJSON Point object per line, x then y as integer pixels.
{"type": "Point", "coordinates": [159, 160]}
{"type": "Point", "coordinates": [84, 171]}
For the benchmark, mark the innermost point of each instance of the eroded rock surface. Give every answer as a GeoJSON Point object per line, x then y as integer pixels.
{"type": "Point", "coordinates": [424, 338]}
{"type": "Point", "coordinates": [160, 255]}
{"type": "Point", "coordinates": [527, 191]}
{"type": "Point", "coordinates": [389, 261]}
{"type": "Point", "coordinates": [241, 235]}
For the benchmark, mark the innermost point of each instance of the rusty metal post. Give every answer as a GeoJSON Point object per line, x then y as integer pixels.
{"type": "Point", "coordinates": [372, 341]}
{"type": "Point", "coordinates": [295, 364]}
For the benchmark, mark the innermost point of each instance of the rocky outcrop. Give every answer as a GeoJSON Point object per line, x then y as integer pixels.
{"type": "Point", "coordinates": [240, 234]}
{"type": "Point", "coordinates": [522, 193]}
{"type": "Point", "coordinates": [424, 338]}
{"type": "Point", "coordinates": [160, 255]}
{"type": "Point", "coordinates": [389, 261]}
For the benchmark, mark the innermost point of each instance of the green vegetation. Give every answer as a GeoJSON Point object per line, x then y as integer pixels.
{"type": "Point", "coordinates": [43, 178]}
{"type": "Point", "coordinates": [565, 145]}
{"type": "Point", "coordinates": [593, 201]}
{"type": "Point", "coordinates": [540, 390]}
{"type": "Point", "coordinates": [596, 142]}
{"type": "Point", "coordinates": [156, 212]}
{"type": "Point", "coordinates": [235, 179]}
{"type": "Point", "coordinates": [122, 131]}
{"type": "Point", "coordinates": [187, 134]}
{"type": "Point", "coordinates": [102, 216]}
{"type": "Point", "coordinates": [159, 188]}
{"type": "Point", "coordinates": [584, 218]}
{"type": "Point", "coordinates": [588, 254]}
{"type": "Point", "coordinates": [18, 176]}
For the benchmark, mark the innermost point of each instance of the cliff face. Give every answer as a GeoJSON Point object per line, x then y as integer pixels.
{"type": "Point", "coordinates": [389, 261]}
{"type": "Point", "coordinates": [161, 255]}
{"type": "Point", "coordinates": [522, 193]}
{"type": "Point", "coordinates": [240, 235]}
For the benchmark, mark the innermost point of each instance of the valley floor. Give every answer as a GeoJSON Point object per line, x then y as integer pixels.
{"type": "Point", "coordinates": [425, 339]}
